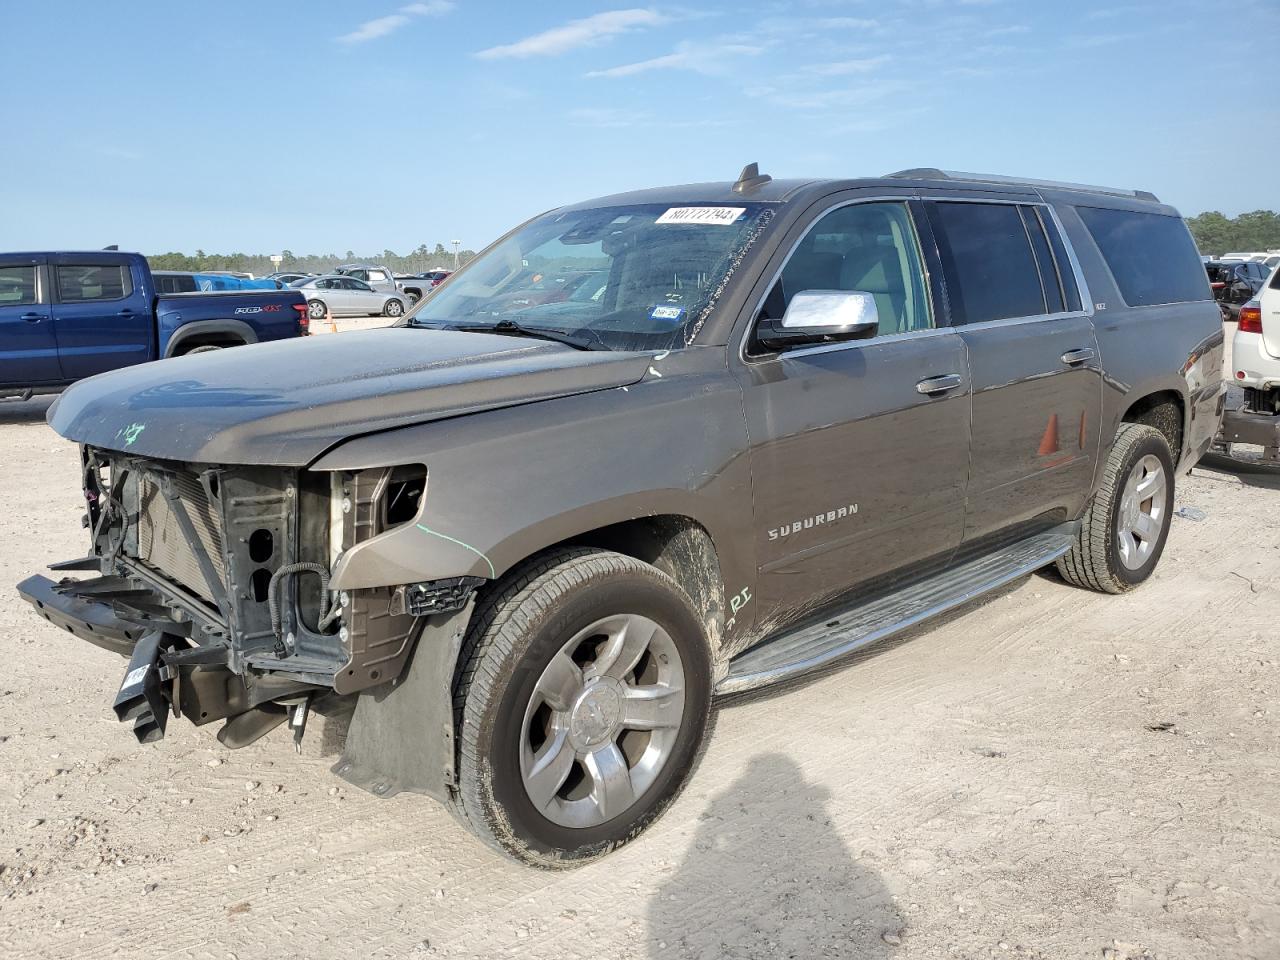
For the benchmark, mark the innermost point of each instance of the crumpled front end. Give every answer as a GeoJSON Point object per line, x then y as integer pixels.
{"type": "Point", "coordinates": [215, 582]}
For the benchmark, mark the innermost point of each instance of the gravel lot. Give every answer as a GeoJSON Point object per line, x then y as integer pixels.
{"type": "Point", "coordinates": [1048, 774]}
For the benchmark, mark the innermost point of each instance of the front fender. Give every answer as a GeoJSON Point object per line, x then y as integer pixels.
{"type": "Point", "coordinates": [508, 483]}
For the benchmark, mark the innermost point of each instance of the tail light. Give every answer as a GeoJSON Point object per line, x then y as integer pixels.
{"type": "Point", "coordinates": [304, 319]}
{"type": "Point", "coordinates": [1250, 318]}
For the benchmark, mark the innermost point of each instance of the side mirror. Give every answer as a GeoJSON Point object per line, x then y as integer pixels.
{"type": "Point", "coordinates": [822, 316]}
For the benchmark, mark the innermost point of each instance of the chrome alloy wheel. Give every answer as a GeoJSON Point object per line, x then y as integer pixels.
{"type": "Point", "coordinates": [602, 721]}
{"type": "Point", "coordinates": [1140, 516]}
{"type": "Point", "coordinates": [316, 310]}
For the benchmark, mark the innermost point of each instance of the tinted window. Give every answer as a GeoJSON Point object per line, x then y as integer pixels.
{"type": "Point", "coordinates": [1065, 272]}
{"type": "Point", "coordinates": [78, 283]}
{"type": "Point", "coordinates": [1044, 260]}
{"type": "Point", "coordinates": [17, 285]}
{"type": "Point", "coordinates": [1151, 256]}
{"type": "Point", "coordinates": [991, 271]}
{"type": "Point", "coordinates": [870, 247]}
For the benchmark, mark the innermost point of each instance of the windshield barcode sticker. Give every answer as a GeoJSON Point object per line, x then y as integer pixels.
{"type": "Point", "coordinates": [720, 216]}
{"type": "Point", "coordinates": [133, 677]}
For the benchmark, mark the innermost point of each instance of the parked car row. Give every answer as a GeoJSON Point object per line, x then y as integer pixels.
{"type": "Point", "coordinates": [1235, 283]}
{"type": "Point", "coordinates": [345, 296]}
{"type": "Point", "coordinates": [66, 316]}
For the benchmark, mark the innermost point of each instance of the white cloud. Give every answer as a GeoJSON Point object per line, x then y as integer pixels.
{"type": "Point", "coordinates": [381, 26]}
{"type": "Point", "coordinates": [844, 68]}
{"type": "Point", "coordinates": [576, 33]}
{"type": "Point", "coordinates": [698, 57]}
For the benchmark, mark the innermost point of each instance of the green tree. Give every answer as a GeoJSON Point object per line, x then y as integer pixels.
{"type": "Point", "coordinates": [1216, 234]}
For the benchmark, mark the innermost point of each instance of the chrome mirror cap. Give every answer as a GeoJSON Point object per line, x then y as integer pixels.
{"type": "Point", "coordinates": [816, 316]}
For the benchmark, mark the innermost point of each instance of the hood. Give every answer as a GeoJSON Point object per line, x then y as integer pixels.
{"type": "Point", "coordinates": [285, 403]}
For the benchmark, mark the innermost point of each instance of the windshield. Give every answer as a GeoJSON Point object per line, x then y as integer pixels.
{"type": "Point", "coordinates": [636, 277]}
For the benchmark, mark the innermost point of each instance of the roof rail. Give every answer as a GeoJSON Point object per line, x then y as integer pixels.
{"type": "Point", "coordinates": [933, 173]}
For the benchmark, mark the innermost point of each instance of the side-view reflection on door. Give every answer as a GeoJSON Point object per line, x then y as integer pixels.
{"type": "Point", "coordinates": [1037, 377]}
{"type": "Point", "coordinates": [841, 492]}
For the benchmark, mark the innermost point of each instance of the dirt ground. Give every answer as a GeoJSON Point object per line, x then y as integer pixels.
{"type": "Point", "coordinates": [1050, 774]}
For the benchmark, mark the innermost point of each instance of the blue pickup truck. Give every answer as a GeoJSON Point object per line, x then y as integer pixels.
{"type": "Point", "coordinates": [67, 316]}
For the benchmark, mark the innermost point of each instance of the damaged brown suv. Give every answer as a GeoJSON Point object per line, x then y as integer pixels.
{"type": "Point", "coordinates": [641, 452]}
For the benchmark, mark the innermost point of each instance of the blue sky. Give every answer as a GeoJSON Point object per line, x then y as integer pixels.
{"type": "Point", "coordinates": [329, 126]}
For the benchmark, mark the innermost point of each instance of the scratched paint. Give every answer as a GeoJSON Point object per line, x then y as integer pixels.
{"type": "Point", "coordinates": [436, 533]}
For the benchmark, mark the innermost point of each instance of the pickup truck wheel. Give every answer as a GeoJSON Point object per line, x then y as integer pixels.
{"type": "Point", "coordinates": [1124, 530]}
{"type": "Point", "coordinates": [205, 349]}
{"type": "Point", "coordinates": [582, 700]}
{"type": "Point", "coordinates": [316, 309]}
{"type": "Point", "coordinates": [392, 308]}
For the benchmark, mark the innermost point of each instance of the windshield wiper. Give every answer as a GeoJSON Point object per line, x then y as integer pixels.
{"type": "Point", "coordinates": [510, 328]}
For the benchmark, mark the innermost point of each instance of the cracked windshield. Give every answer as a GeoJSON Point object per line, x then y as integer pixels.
{"type": "Point", "coordinates": [618, 278]}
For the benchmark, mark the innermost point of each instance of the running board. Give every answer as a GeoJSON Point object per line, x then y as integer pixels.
{"type": "Point", "coordinates": [815, 646]}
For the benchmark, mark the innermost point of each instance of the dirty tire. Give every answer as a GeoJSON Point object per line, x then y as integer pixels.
{"type": "Point", "coordinates": [514, 635]}
{"type": "Point", "coordinates": [392, 308]}
{"type": "Point", "coordinates": [207, 348]}
{"type": "Point", "coordinates": [1094, 560]}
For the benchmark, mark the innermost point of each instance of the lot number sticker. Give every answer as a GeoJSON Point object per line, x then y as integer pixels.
{"type": "Point", "coordinates": [720, 216]}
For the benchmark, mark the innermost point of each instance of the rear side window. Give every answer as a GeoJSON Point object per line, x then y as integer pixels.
{"type": "Point", "coordinates": [991, 269]}
{"type": "Point", "coordinates": [1151, 256]}
{"type": "Point", "coordinates": [83, 282]}
{"type": "Point", "coordinates": [17, 285]}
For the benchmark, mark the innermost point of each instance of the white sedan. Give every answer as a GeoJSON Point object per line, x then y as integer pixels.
{"type": "Point", "coordinates": [337, 296]}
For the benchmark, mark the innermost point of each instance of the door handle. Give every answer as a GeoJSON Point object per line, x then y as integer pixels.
{"type": "Point", "coordinates": [931, 385]}
{"type": "Point", "coordinates": [1073, 357]}
{"type": "Point", "coordinates": [33, 317]}
{"type": "Point", "coordinates": [126, 312]}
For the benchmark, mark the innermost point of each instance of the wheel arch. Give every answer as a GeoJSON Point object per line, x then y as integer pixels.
{"type": "Point", "coordinates": [200, 333]}
{"type": "Point", "coordinates": [1166, 410]}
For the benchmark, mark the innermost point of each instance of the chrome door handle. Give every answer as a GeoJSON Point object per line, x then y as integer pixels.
{"type": "Point", "coordinates": [1072, 357]}
{"type": "Point", "coordinates": [942, 384]}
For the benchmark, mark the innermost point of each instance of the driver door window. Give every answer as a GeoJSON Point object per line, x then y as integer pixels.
{"type": "Point", "coordinates": [869, 247]}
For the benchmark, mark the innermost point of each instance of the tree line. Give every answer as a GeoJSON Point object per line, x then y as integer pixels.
{"type": "Point", "coordinates": [259, 264]}
{"type": "Point", "coordinates": [1216, 234]}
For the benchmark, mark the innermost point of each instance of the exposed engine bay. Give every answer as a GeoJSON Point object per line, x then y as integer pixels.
{"type": "Point", "coordinates": [215, 582]}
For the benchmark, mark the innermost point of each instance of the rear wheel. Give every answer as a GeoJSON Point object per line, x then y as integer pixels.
{"type": "Point", "coordinates": [582, 702]}
{"type": "Point", "coordinates": [1124, 530]}
{"type": "Point", "coordinates": [204, 349]}
{"type": "Point", "coordinates": [392, 308]}
{"type": "Point", "coordinates": [316, 309]}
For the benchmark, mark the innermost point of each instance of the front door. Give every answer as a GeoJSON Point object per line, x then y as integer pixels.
{"type": "Point", "coordinates": [1037, 377]}
{"type": "Point", "coordinates": [28, 349]}
{"type": "Point", "coordinates": [859, 450]}
{"type": "Point", "coordinates": [102, 314]}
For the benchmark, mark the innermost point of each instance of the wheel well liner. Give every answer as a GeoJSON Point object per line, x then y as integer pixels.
{"type": "Point", "coordinates": [1166, 411]}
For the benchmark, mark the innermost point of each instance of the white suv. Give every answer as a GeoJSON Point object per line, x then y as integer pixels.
{"type": "Point", "coordinates": [1255, 361]}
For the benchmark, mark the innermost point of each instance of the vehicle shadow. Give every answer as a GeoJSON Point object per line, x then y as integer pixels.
{"type": "Point", "coordinates": [26, 411]}
{"type": "Point", "coordinates": [768, 876]}
{"type": "Point", "coordinates": [1261, 475]}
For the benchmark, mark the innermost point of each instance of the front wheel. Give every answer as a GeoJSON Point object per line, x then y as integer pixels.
{"type": "Point", "coordinates": [1124, 530]}
{"type": "Point", "coordinates": [582, 701]}
{"type": "Point", "coordinates": [392, 308]}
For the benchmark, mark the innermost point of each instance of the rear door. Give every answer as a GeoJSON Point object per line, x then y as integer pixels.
{"type": "Point", "coordinates": [28, 349]}
{"type": "Point", "coordinates": [101, 313]}
{"type": "Point", "coordinates": [362, 297]}
{"type": "Point", "coordinates": [858, 468]}
{"type": "Point", "coordinates": [1018, 305]}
